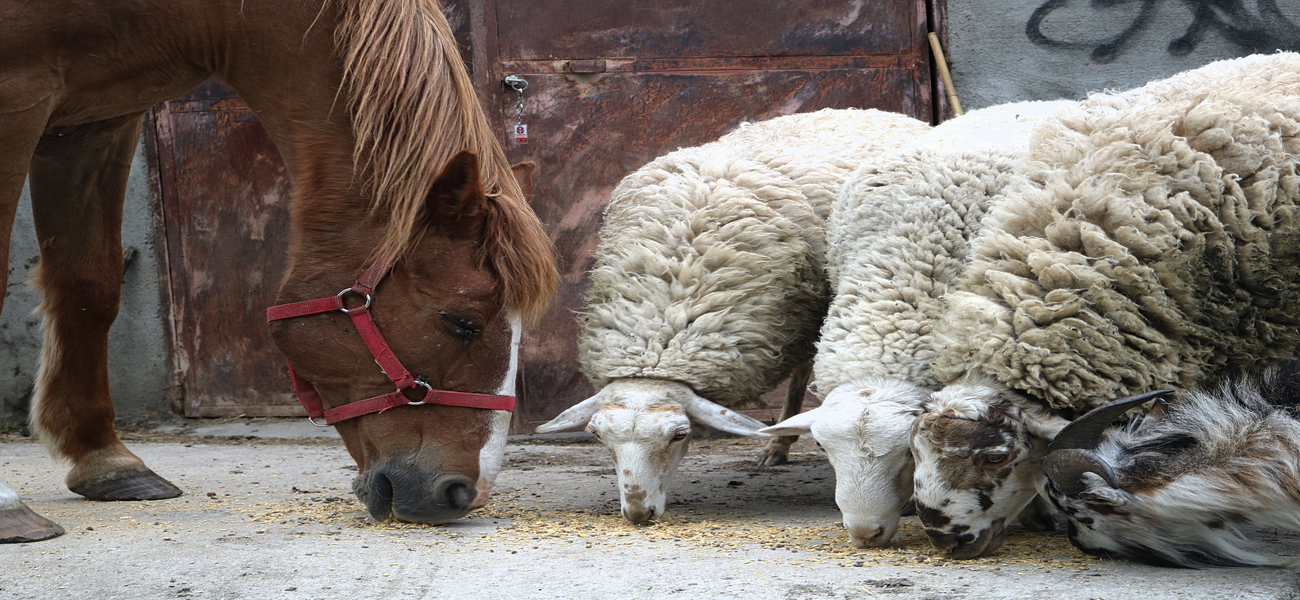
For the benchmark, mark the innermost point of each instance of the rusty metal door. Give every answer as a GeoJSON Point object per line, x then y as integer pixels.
{"type": "Point", "coordinates": [221, 239]}
{"type": "Point", "coordinates": [613, 84]}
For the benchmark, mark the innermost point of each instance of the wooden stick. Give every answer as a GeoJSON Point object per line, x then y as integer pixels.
{"type": "Point", "coordinates": [943, 72]}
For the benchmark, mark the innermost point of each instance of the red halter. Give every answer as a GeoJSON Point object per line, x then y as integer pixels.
{"type": "Point", "coordinates": [392, 367]}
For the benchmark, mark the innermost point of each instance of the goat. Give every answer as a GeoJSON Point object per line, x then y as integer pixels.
{"type": "Point", "coordinates": [1173, 489]}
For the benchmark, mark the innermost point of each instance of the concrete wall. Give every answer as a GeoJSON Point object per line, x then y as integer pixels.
{"type": "Point", "coordinates": [1011, 50]}
{"type": "Point", "coordinates": [1078, 46]}
{"type": "Point", "coordinates": [137, 350]}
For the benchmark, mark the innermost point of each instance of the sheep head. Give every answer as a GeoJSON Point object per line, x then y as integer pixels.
{"type": "Point", "coordinates": [646, 424]}
{"type": "Point", "coordinates": [864, 428]}
{"type": "Point", "coordinates": [977, 451]}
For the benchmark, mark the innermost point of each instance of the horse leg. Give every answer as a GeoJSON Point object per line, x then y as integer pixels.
{"type": "Point", "coordinates": [22, 129]}
{"type": "Point", "coordinates": [777, 451]}
{"type": "Point", "coordinates": [78, 181]}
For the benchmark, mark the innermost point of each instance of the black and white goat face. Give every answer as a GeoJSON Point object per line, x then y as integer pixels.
{"type": "Point", "coordinates": [977, 449]}
{"type": "Point", "coordinates": [1175, 488]}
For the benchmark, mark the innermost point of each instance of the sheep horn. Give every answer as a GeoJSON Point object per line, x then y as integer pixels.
{"type": "Point", "coordinates": [1065, 469]}
{"type": "Point", "coordinates": [1085, 432]}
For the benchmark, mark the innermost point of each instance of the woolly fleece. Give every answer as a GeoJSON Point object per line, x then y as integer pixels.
{"type": "Point", "coordinates": [703, 276]}
{"type": "Point", "coordinates": [820, 150]}
{"type": "Point", "coordinates": [711, 265]}
{"type": "Point", "coordinates": [1153, 242]}
{"type": "Point", "coordinates": [898, 236]}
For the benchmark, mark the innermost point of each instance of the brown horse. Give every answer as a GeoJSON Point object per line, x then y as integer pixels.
{"type": "Point", "coordinates": [375, 116]}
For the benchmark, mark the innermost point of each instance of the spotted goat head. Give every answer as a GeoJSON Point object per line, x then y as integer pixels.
{"type": "Point", "coordinates": [1175, 488]}
{"type": "Point", "coordinates": [977, 449]}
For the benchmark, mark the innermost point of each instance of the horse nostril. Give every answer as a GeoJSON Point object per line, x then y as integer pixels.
{"type": "Point", "coordinates": [382, 487]}
{"type": "Point", "coordinates": [459, 496]}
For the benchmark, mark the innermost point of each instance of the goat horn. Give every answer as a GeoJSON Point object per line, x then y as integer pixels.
{"type": "Point", "coordinates": [1085, 432]}
{"type": "Point", "coordinates": [1065, 469]}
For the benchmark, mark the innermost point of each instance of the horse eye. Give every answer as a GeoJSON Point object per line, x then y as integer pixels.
{"type": "Point", "coordinates": [460, 326]}
{"type": "Point", "coordinates": [592, 431]}
{"type": "Point", "coordinates": [994, 458]}
{"type": "Point", "coordinates": [681, 434]}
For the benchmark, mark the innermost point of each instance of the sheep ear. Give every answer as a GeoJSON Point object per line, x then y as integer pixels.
{"type": "Point", "coordinates": [1044, 426]}
{"type": "Point", "coordinates": [721, 418]}
{"type": "Point", "coordinates": [1034, 416]}
{"type": "Point", "coordinates": [800, 424]}
{"type": "Point", "coordinates": [575, 416]}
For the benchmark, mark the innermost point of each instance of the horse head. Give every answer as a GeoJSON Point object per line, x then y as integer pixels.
{"type": "Point", "coordinates": [444, 314]}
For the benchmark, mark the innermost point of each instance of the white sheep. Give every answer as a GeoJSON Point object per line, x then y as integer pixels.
{"type": "Point", "coordinates": [897, 238]}
{"type": "Point", "coordinates": [1151, 243]}
{"type": "Point", "coordinates": [709, 288]}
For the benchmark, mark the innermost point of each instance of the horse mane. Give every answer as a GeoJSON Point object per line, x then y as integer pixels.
{"type": "Point", "coordinates": [413, 107]}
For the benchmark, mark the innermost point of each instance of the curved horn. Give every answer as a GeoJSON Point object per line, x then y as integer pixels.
{"type": "Point", "coordinates": [1065, 469]}
{"type": "Point", "coordinates": [1085, 432]}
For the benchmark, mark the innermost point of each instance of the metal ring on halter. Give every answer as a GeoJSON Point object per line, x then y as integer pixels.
{"type": "Point", "coordinates": [313, 422]}
{"type": "Point", "coordinates": [428, 387]}
{"type": "Point", "coordinates": [347, 310]}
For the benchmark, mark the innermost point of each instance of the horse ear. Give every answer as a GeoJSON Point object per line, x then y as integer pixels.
{"type": "Point", "coordinates": [456, 197]}
{"type": "Point", "coordinates": [523, 173]}
{"type": "Point", "coordinates": [721, 418]}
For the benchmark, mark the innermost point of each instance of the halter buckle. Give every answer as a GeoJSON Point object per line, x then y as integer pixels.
{"type": "Point", "coordinates": [421, 382]}
{"type": "Point", "coordinates": [347, 310]}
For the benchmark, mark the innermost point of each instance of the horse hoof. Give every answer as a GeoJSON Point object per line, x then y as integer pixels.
{"type": "Point", "coordinates": [19, 525]}
{"type": "Point", "coordinates": [136, 483]}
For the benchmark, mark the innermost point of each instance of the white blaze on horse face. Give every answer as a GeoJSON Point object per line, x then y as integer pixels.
{"type": "Point", "coordinates": [977, 464]}
{"type": "Point", "coordinates": [492, 456]}
{"type": "Point", "coordinates": [864, 427]}
{"type": "Point", "coordinates": [645, 426]}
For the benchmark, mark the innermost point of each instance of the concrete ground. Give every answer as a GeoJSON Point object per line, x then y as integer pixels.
{"type": "Point", "coordinates": [273, 517]}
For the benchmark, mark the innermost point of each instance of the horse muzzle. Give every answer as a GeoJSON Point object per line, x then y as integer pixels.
{"type": "Point", "coordinates": [415, 497]}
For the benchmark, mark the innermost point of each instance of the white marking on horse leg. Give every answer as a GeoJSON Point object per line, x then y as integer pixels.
{"type": "Point", "coordinates": [49, 364]}
{"type": "Point", "coordinates": [8, 497]}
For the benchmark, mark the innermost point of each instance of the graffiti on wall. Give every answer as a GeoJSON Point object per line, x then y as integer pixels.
{"type": "Point", "coordinates": [1263, 30]}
